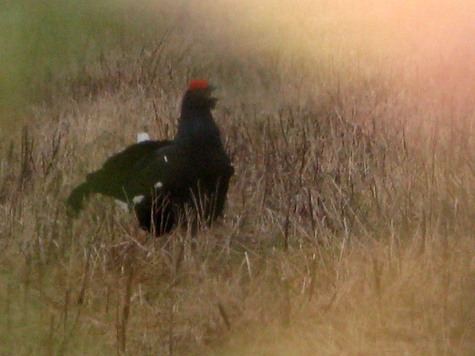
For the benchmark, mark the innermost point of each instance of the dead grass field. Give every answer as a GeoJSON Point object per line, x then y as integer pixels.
{"type": "Point", "coordinates": [350, 223]}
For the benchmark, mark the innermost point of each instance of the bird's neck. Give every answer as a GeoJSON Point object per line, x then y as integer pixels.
{"type": "Point", "coordinates": [197, 130]}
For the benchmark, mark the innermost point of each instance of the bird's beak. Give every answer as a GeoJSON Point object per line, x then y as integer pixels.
{"type": "Point", "coordinates": [213, 88]}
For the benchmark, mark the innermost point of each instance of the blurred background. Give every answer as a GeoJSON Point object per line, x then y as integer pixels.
{"type": "Point", "coordinates": [48, 44]}
{"type": "Point", "coordinates": [350, 222]}
{"type": "Point", "coordinates": [45, 40]}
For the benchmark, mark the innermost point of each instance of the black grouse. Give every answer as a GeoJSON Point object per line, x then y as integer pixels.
{"type": "Point", "coordinates": [169, 183]}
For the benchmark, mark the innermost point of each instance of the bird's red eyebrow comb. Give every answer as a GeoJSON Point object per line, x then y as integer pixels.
{"type": "Point", "coordinates": [198, 84]}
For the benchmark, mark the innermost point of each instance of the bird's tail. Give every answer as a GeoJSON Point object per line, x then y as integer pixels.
{"type": "Point", "coordinates": [77, 197]}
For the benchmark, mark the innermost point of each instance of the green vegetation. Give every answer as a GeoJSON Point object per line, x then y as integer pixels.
{"type": "Point", "coordinates": [351, 218]}
{"type": "Point", "coordinates": [48, 39]}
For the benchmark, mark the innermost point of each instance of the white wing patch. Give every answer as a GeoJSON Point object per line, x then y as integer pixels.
{"type": "Point", "coordinates": [142, 136]}
{"type": "Point", "coordinates": [123, 205]}
{"type": "Point", "coordinates": [165, 158]}
{"type": "Point", "coordinates": [138, 199]}
{"type": "Point", "coordinates": [158, 185]}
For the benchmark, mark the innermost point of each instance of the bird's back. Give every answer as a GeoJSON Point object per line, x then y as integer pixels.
{"type": "Point", "coordinates": [114, 177]}
{"type": "Point", "coordinates": [117, 173]}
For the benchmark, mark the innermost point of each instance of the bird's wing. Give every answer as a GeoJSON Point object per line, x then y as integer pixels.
{"type": "Point", "coordinates": [166, 169]}
{"type": "Point", "coordinates": [116, 173]}
{"type": "Point", "coordinates": [132, 155]}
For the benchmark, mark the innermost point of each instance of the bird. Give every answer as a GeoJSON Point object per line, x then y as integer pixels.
{"type": "Point", "coordinates": [169, 183]}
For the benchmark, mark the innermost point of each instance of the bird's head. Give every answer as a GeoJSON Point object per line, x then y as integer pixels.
{"type": "Point", "coordinates": [199, 96]}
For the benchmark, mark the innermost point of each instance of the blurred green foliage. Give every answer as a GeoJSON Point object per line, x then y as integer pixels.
{"type": "Point", "coordinates": [39, 39]}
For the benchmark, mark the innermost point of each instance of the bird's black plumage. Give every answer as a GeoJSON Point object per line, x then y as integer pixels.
{"type": "Point", "coordinates": [169, 182]}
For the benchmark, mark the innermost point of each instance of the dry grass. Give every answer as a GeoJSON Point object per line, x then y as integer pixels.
{"type": "Point", "coordinates": [351, 219]}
